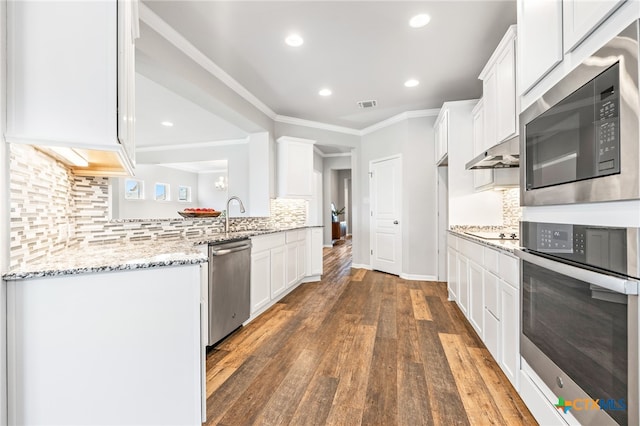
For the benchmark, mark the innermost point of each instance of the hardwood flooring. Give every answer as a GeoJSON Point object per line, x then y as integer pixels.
{"type": "Point", "coordinates": [359, 347]}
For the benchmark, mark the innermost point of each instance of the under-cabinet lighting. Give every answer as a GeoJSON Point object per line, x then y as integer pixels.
{"type": "Point", "coordinates": [71, 156]}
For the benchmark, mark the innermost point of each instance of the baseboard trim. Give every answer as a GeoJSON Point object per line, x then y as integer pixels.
{"type": "Point", "coordinates": [328, 246]}
{"type": "Point", "coordinates": [312, 279]}
{"type": "Point", "coordinates": [416, 277]}
{"type": "Point", "coordinates": [361, 266]}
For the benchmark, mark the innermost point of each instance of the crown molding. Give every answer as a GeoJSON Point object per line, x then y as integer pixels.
{"type": "Point", "coordinates": [192, 145]}
{"type": "Point", "coordinates": [400, 117]}
{"type": "Point", "coordinates": [337, 154]}
{"type": "Point", "coordinates": [316, 125]}
{"type": "Point", "coordinates": [168, 32]}
{"type": "Point", "coordinates": [294, 139]}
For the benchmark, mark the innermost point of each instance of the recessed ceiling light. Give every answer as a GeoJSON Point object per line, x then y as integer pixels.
{"type": "Point", "coordinates": [419, 21]}
{"type": "Point", "coordinates": [294, 40]}
{"type": "Point", "coordinates": [411, 83]}
{"type": "Point", "coordinates": [324, 92]}
{"type": "Point", "coordinates": [167, 124]}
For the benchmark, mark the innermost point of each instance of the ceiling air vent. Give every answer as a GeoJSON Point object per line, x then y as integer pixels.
{"type": "Point", "coordinates": [367, 104]}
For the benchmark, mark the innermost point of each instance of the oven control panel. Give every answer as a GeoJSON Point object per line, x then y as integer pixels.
{"type": "Point", "coordinates": [556, 238]}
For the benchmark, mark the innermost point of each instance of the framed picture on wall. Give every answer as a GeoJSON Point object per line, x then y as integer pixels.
{"type": "Point", "coordinates": [133, 189]}
{"type": "Point", "coordinates": [184, 194]}
{"type": "Point", "coordinates": [161, 192]}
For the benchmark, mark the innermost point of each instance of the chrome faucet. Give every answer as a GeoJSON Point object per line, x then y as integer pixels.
{"type": "Point", "coordinates": [226, 213]}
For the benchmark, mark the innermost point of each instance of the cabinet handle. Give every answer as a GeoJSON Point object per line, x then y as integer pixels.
{"type": "Point", "coordinates": [395, 222]}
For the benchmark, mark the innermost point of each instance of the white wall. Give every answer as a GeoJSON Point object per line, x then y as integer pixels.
{"type": "Point", "coordinates": [148, 207]}
{"type": "Point", "coordinates": [207, 194]}
{"type": "Point", "coordinates": [413, 139]}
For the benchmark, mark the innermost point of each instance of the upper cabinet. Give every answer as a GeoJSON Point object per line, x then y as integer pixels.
{"type": "Point", "coordinates": [499, 91]}
{"type": "Point", "coordinates": [441, 136]}
{"type": "Point", "coordinates": [70, 81]}
{"type": "Point", "coordinates": [295, 167]}
{"type": "Point", "coordinates": [580, 17]}
{"type": "Point", "coordinates": [481, 178]}
{"type": "Point", "coordinates": [539, 38]}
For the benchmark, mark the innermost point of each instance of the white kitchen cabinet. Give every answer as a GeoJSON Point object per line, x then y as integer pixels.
{"type": "Point", "coordinates": [314, 252]}
{"type": "Point", "coordinates": [301, 248]}
{"type": "Point", "coordinates": [296, 256]}
{"type": "Point", "coordinates": [539, 40]}
{"type": "Point", "coordinates": [70, 80]}
{"type": "Point", "coordinates": [499, 91]}
{"type": "Point", "coordinates": [277, 262]}
{"type": "Point", "coordinates": [492, 334]}
{"type": "Point", "coordinates": [463, 283]}
{"type": "Point", "coordinates": [295, 167]}
{"type": "Point", "coordinates": [509, 339]}
{"type": "Point", "coordinates": [481, 178]}
{"type": "Point", "coordinates": [260, 280]}
{"type": "Point", "coordinates": [476, 298]}
{"type": "Point", "coordinates": [442, 136]}
{"type": "Point", "coordinates": [452, 273]}
{"type": "Point", "coordinates": [581, 17]}
{"type": "Point", "coordinates": [127, 340]}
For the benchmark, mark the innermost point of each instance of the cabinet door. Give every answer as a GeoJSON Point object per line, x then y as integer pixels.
{"type": "Point", "coordinates": [476, 298]}
{"type": "Point", "coordinates": [491, 334]}
{"type": "Point", "coordinates": [581, 17]}
{"type": "Point", "coordinates": [301, 258]}
{"type": "Point", "coordinates": [436, 142]}
{"type": "Point", "coordinates": [452, 273]}
{"type": "Point", "coordinates": [292, 264]}
{"type": "Point", "coordinates": [492, 294]}
{"type": "Point", "coordinates": [444, 134]}
{"type": "Point", "coordinates": [295, 168]}
{"type": "Point", "coordinates": [510, 332]}
{"type": "Point", "coordinates": [278, 280]}
{"type": "Point", "coordinates": [489, 93]}
{"type": "Point", "coordinates": [539, 38]}
{"type": "Point", "coordinates": [315, 260]}
{"type": "Point", "coordinates": [126, 76]}
{"type": "Point", "coordinates": [507, 116]}
{"type": "Point", "coordinates": [481, 178]}
{"type": "Point", "coordinates": [260, 280]}
{"type": "Point", "coordinates": [463, 280]}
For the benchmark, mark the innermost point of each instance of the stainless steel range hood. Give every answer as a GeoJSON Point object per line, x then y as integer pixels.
{"type": "Point", "coordinates": [504, 155]}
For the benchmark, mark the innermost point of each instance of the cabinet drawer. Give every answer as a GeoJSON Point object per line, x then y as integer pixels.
{"type": "Point", "coordinates": [266, 242]}
{"type": "Point", "coordinates": [491, 293]}
{"type": "Point", "coordinates": [510, 270]}
{"type": "Point", "coordinates": [491, 260]}
{"type": "Point", "coordinates": [293, 236]}
{"type": "Point", "coordinates": [474, 252]}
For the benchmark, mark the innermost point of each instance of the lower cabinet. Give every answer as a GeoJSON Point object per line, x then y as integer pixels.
{"type": "Point", "coordinates": [279, 263]}
{"type": "Point", "coordinates": [476, 298]}
{"type": "Point", "coordinates": [484, 282]}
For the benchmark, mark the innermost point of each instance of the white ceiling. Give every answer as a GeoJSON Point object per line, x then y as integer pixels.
{"type": "Point", "coordinates": [360, 49]}
{"type": "Point", "coordinates": [191, 122]}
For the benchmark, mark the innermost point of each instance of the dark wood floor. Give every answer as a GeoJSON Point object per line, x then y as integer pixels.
{"type": "Point", "coordinates": [359, 347]}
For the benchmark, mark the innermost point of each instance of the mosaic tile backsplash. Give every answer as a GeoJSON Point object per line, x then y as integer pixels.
{"type": "Point", "coordinates": [511, 210]}
{"type": "Point", "coordinates": [52, 209]}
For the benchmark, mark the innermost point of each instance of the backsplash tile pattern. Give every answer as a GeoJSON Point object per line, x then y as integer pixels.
{"type": "Point", "coordinates": [41, 192]}
{"type": "Point", "coordinates": [511, 210]}
{"type": "Point", "coordinates": [52, 209]}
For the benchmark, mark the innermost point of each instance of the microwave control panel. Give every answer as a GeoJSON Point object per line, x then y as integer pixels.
{"type": "Point", "coordinates": [607, 130]}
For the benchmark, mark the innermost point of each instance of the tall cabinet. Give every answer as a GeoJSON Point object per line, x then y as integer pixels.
{"type": "Point", "coordinates": [70, 81]}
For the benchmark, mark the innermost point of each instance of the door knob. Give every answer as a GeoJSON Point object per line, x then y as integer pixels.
{"type": "Point", "coordinates": [395, 222]}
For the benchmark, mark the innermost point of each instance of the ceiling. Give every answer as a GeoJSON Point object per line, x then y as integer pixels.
{"type": "Point", "coordinates": [191, 123]}
{"type": "Point", "coordinates": [361, 50]}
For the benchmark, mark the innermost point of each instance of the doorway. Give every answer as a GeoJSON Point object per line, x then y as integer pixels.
{"type": "Point", "coordinates": [386, 214]}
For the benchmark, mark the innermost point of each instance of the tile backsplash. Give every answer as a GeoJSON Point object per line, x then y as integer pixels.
{"type": "Point", "coordinates": [52, 209]}
{"type": "Point", "coordinates": [511, 210]}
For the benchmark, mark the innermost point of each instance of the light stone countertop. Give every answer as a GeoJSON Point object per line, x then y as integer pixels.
{"type": "Point", "coordinates": [508, 246]}
{"type": "Point", "coordinates": [128, 255]}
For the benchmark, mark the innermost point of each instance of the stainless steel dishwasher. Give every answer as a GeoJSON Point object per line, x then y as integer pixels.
{"type": "Point", "coordinates": [229, 287]}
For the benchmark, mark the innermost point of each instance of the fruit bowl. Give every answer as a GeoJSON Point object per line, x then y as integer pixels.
{"type": "Point", "coordinates": [199, 213]}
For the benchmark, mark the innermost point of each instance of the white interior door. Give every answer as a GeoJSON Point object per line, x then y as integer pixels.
{"type": "Point", "coordinates": [386, 204]}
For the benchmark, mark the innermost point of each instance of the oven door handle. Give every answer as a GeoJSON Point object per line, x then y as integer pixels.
{"type": "Point", "coordinates": [609, 282]}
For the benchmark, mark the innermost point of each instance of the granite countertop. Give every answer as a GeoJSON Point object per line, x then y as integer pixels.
{"type": "Point", "coordinates": [127, 255]}
{"type": "Point", "coordinates": [508, 246]}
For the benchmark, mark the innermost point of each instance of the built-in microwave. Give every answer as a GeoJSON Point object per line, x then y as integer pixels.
{"type": "Point", "coordinates": [579, 141]}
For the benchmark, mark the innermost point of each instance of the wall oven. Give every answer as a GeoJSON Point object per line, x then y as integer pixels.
{"type": "Point", "coordinates": [579, 322]}
{"type": "Point", "coordinates": [579, 142]}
